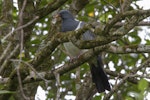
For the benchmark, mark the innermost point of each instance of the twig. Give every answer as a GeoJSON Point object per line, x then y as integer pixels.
{"type": "Point", "coordinates": [143, 65]}
{"type": "Point", "coordinates": [111, 5]}
{"type": "Point", "coordinates": [20, 27]}
{"type": "Point", "coordinates": [31, 67]}
{"type": "Point", "coordinates": [125, 5]}
{"type": "Point", "coordinates": [7, 59]}
{"type": "Point", "coordinates": [58, 93]}
{"type": "Point", "coordinates": [57, 77]}
{"type": "Point", "coordinates": [21, 49]}
{"type": "Point", "coordinates": [20, 85]}
{"type": "Point", "coordinates": [5, 52]}
{"type": "Point", "coordinates": [116, 87]}
{"type": "Point", "coordinates": [143, 23]}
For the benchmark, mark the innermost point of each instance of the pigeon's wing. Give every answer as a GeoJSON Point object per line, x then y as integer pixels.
{"type": "Point", "coordinates": [88, 35]}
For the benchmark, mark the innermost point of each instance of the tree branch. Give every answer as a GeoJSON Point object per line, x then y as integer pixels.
{"type": "Point", "coordinates": [126, 5]}
{"type": "Point", "coordinates": [121, 16]}
{"type": "Point", "coordinates": [78, 5]}
{"type": "Point", "coordinates": [129, 49]}
{"type": "Point", "coordinates": [49, 8]}
{"type": "Point", "coordinates": [116, 87]}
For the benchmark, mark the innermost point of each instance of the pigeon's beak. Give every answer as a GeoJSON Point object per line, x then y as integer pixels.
{"type": "Point", "coordinates": [56, 16]}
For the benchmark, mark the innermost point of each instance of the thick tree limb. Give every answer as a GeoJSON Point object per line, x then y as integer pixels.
{"type": "Point", "coordinates": [69, 66]}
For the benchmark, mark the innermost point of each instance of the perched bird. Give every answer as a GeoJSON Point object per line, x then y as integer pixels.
{"type": "Point", "coordinates": [69, 23]}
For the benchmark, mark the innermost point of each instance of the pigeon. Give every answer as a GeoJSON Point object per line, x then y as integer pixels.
{"type": "Point", "coordinates": [69, 23]}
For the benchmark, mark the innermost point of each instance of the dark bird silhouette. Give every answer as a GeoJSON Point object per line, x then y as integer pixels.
{"type": "Point", "coordinates": [69, 23]}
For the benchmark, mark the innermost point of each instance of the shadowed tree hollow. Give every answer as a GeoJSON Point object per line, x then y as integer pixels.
{"type": "Point", "coordinates": [32, 53]}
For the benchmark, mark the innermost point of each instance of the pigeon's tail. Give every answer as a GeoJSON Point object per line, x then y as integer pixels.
{"type": "Point", "coordinates": [99, 77]}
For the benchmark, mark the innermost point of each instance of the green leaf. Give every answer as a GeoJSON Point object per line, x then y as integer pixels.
{"type": "Point", "coordinates": [5, 92]}
{"type": "Point", "coordinates": [129, 98]}
{"type": "Point", "coordinates": [97, 98]}
{"type": "Point", "coordinates": [142, 85]}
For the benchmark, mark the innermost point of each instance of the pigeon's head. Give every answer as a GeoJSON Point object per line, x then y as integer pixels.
{"type": "Point", "coordinates": [65, 14]}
